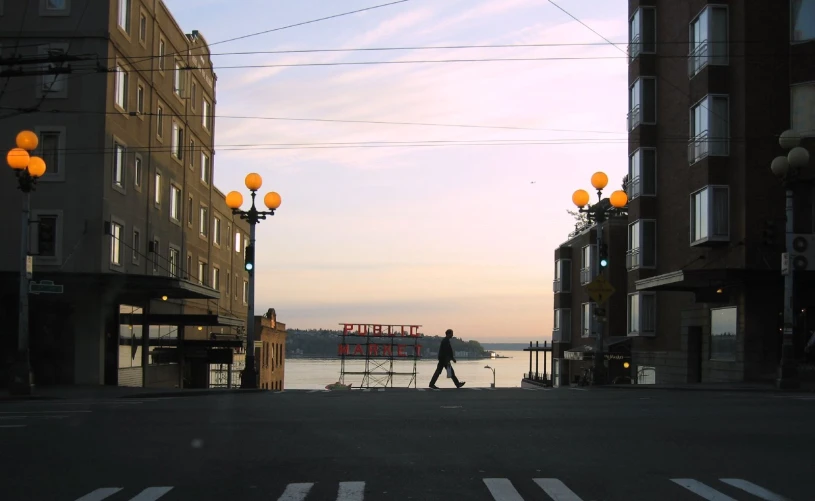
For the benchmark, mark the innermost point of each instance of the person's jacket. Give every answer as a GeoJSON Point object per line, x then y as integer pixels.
{"type": "Point", "coordinates": [446, 350]}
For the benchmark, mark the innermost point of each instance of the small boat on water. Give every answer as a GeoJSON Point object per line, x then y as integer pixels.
{"type": "Point", "coordinates": [338, 387]}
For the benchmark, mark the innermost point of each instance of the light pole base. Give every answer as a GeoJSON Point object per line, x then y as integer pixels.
{"type": "Point", "coordinates": [21, 379]}
{"type": "Point", "coordinates": [249, 380]}
{"type": "Point", "coordinates": [787, 378]}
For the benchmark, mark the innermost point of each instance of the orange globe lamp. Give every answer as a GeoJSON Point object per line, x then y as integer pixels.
{"type": "Point", "coordinates": [234, 200]}
{"type": "Point", "coordinates": [18, 158]}
{"type": "Point", "coordinates": [253, 181]}
{"type": "Point", "coordinates": [27, 140]}
{"type": "Point", "coordinates": [618, 199]}
{"type": "Point", "coordinates": [580, 198]}
{"type": "Point", "coordinates": [599, 180]}
{"type": "Point", "coordinates": [272, 200]}
{"type": "Point", "coordinates": [36, 167]}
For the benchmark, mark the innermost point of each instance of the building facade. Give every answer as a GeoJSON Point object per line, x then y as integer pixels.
{"type": "Point", "coordinates": [271, 352]}
{"type": "Point", "coordinates": [576, 327]}
{"type": "Point", "coordinates": [127, 217]}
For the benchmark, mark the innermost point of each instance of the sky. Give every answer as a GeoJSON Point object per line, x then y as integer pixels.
{"type": "Point", "coordinates": [411, 228]}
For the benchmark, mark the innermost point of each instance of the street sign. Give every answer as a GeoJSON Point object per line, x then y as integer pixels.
{"type": "Point", "coordinates": [29, 267]}
{"type": "Point", "coordinates": [44, 287]}
{"type": "Point", "coordinates": [600, 290]}
{"type": "Point", "coordinates": [785, 263]}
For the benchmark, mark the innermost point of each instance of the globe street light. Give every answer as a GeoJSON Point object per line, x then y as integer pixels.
{"type": "Point", "coordinates": [493, 375]}
{"type": "Point", "coordinates": [28, 169]}
{"type": "Point", "coordinates": [234, 200]}
{"type": "Point", "coordinates": [598, 213]}
{"type": "Point", "coordinates": [787, 168]}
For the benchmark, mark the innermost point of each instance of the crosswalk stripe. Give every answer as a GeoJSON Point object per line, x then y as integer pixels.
{"type": "Point", "coordinates": [100, 494]}
{"type": "Point", "coordinates": [351, 491]}
{"type": "Point", "coordinates": [556, 489]}
{"type": "Point", "coordinates": [151, 493]}
{"type": "Point", "coordinates": [701, 489]}
{"type": "Point", "coordinates": [502, 489]}
{"type": "Point", "coordinates": [296, 492]}
{"type": "Point", "coordinates": [755, 490]}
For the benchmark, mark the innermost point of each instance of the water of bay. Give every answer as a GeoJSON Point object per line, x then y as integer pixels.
{"type": "Point", "coordinates": [315, 374]}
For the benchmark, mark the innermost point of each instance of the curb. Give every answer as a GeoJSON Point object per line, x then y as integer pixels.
{"type": "Point", "coordinates": [700, 389]}
{"type": "Point", "coordinates": [192, 393]}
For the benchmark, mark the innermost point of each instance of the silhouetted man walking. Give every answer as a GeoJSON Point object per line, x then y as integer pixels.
{"type": "Point", "coordinates": [445, 356]}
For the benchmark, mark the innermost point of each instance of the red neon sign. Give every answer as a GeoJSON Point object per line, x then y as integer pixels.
{"type": "Point", "coordinates": [377, 330]}
{"type": "Point", "coordinates": [376, 350]}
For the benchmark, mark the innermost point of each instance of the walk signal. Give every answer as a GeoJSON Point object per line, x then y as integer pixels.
{"type": "Point", "coordinates": [603, 257]}
{"type": "Point", "coordinates": [250, 258]}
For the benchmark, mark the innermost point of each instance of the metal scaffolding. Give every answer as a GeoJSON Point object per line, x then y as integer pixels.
{"type": "Point", "coordinates": [375, 355]}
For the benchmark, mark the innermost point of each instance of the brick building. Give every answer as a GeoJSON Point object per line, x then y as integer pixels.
{"type": "Point", "coordinates": [127, 217]}
{"type": "Point", "coordinates": [270, 356]}
{"type": "Point", "coordinates": [711, 87]}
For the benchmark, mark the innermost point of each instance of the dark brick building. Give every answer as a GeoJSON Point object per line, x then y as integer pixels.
{"type": "Point", "coordinates": [711, 87]}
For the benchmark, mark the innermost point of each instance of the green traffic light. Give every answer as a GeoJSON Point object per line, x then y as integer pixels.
{"type": "Point", "coordinates": [603, 263]}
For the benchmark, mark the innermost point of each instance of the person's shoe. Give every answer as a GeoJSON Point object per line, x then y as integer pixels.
{"type": "Point", "coordinates": [460, 384]}
{"type": "Point", "coordinates": [434, 386]}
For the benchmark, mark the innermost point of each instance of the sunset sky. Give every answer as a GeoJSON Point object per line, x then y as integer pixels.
{"type": "Point", "coordinates": [424, 232]}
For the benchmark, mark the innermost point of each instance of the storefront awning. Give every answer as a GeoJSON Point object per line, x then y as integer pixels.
{"type": "Point", "coordinates": [615, 347]}
{"type": "Point", "coordinates": [704, 279]}
{"type": "Point", "coordinates": [182, 320]}
{"type": "Point", "coordinates": [129, 287]}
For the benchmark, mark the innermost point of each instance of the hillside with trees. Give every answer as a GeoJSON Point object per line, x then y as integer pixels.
{"type": "Point", "coordinates": [323, 343]}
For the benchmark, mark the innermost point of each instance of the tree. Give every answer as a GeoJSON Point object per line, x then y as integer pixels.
{"type": "Point", "coordinates": [581, 221]}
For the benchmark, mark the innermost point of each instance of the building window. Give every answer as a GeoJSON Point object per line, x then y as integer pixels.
{"type": "Point", "coordinates": [562, 329]}
{"type": "Point", "coordinates": [47, 235]}
{"type": "Point", "coordinates": [642, 314]}
{"type": "Point", "coordinates": [802, 19]}
{"type": "Point", "coordinates": [205, 168]}
{"type": "Point", "coordinates": [142, 28]}
{"type": "Point", "coordinates": [136, 246]}
{"type": "Point", "coordinates": [162, 52]}
{"type": "Point", "coordinates": [116, 231]}
{"type": "Point", "coordinates": [202, 273]}
{"type": "Point", "coordinates": [188, 272]}
{"type": "Point", "coordinates": [642, 32]}
{"type": "Point", "coordinates": [709, 129]}
{"type": "Point", "coordinates": [588, 264]}
{"type": "Point", "coordinates": [124, 15]}
{"type": "Point", "coordinates": [245, 292]}
{"type": "Point", "coordinates": [119, 156]}
{"type": "Point", "coordinates": [642, 244]}
{"type": "Point", "coordinates": [193, 94]}
{"type": "Point", "coordinates": [52, 86]}
{"type": "Point", "coordinates": [192, 153]}
{"type": "Point", "coordinates": [588, 323]}
{"type": "Point", "coordinates": [140, 99]}
{"type": "Point", "coordinates": [175, 203]}
{"type": "Point", "coordinates": [642, 102]}
{"type": "Point", "coordinates": [52, 5]}
{"type": "Point", "coordinates": [216, 237]}
{"type": "Point", "coordinates": [207, 115]}
{"type": "Point", "coordinates": [173, 259]}
{"type": "Point", "coordinates": [228, 283]}
{"type": "Point", "coordinates": [203, 223]}
{"type": "Point", "coordinates": [178, 141]}
{"type": "Point", "coordinates": [121, 87]}
{"type": "Point", "coordinates": [803, 109]}
{"type": "Point", "coordinates": [216, 278]}
{"type": "Point", "coordinates": [642, 173]}
{"type": "Point", "coordinates": [238, 242]}
{"type": "Point", "coordinates": [708, 39]}
{"type": "Point", "coordinates": [156, 255]}
{"type": "Point", "coordinates": [190, 209]}
{"type": "Point", "coordinates": [138, 172]}
{"type": "Point", "coordinates": [563, 276]}
{"type": "Point", "coordinates": [157, 196]}
{"type": "Point", "coordinates": [179, 79]}
{"type": "Point", "coordinates": [160, 122]}
{"type": "Point", "coordinates": [50, 149]}
{"type": "Point", "coordinates": [710, 215]}
{"type": "Point", "coordinates": [723, 331]}
{"type": "Point", "coordinates": [236, 286]}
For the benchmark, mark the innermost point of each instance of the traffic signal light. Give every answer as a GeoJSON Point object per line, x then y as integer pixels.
{"type": "Point", "coordinates": [603, 257]}
{"type": "Point", "coordinates": [768, 233]}
{"type": "Point", "coordinates": [250, 258]}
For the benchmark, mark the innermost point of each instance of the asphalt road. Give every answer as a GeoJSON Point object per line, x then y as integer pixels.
{"type": "Point", "coordinates": [449, 445]}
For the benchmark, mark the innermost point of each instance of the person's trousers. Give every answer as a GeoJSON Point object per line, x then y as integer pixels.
{"type": "Point", "coordinates": [439, 368]}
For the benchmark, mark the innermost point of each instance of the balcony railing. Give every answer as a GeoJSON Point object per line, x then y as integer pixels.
{"type": "Point", "coordinates": [586, 276]}
{"type": "Point", "coordinates": [633, 259]}
{"type": "Point", "coordinates": [703, 146]}
{"type": "Point", "coordinates": [634, 117]}
{"type": "Point", "coordinates": [698, 58]}
{"type": "Point", "coordinates": [634, 48]}
{"type": "Point", "coordinates": [557, 286]}
{"type": "Point", "coordinates": [633, 187]}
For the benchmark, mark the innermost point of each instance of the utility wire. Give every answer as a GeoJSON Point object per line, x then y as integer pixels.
{"type": "Point", "coordinates": [16, 48]}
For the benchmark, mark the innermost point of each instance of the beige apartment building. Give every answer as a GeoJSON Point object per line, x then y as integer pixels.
{"type": "Point", "coordinates": [127, 217]}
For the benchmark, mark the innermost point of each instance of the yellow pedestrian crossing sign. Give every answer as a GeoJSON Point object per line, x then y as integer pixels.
{"type": "Point", "coordinates": [600, 290]}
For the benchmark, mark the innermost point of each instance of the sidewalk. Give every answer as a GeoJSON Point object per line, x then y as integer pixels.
{"type": "Point", "coordinates": [92, 393]}
{"type": "Point", "coordinates": [737, 387]}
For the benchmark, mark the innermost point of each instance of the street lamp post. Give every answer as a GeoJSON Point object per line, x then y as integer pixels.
{"type": "Point", "coordinates": [599, 213]}
{"type": "Point", "coordinates": [28, 169]}
{"type": "Point", "coordinates": [493, 375]}
{"type": "Point", "coordinates": [787, 169]}
{"type": "Point", "coordinates": [234, 200]}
